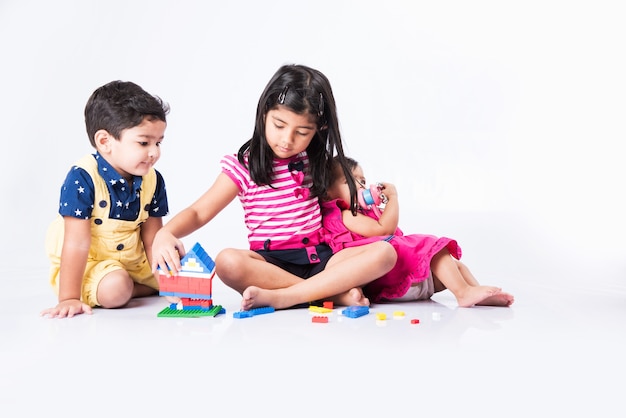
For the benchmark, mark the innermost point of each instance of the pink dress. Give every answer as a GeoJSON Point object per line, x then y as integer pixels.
{"type": "Point", "coordinates": [414, 251]}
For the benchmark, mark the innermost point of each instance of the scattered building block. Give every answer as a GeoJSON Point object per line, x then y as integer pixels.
{"type": "Point", "coordinates": [355, 311]}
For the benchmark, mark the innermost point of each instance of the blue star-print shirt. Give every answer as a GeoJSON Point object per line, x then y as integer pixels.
{"type": "Point", "coordinates": [77, 194]}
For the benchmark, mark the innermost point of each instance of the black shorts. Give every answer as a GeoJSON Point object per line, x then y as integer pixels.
{"type": "Point", "coordinates": [297, 261]}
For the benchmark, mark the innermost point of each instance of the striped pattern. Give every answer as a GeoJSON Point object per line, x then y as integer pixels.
{"type": "Point", "coordinates": [276, 213]}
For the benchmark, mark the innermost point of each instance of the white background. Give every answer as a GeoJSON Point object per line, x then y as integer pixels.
{"type": "Point", "coordinates": [501, 123]}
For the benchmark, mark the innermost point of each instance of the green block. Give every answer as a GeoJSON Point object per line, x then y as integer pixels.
{"type": "Point", "coordinates": [189, 313]}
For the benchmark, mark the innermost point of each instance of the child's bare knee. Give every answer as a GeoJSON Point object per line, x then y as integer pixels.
{"type": "Point", "coordinates": [228, 263]}
{"type": "Point", "coordinates": [390, 256]}
{"type": "Point", "coordinates": [115, 289]}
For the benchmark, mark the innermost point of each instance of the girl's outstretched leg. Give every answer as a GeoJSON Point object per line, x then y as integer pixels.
{"type": "Point", "coordinates": [466, 273]}
{"type": "Point", "coordinates": [446, 270]}
{"type": "Point", "coordinates": [501, 299]}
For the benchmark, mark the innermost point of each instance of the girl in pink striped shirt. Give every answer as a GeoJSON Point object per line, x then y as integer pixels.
{"type": "Point", "coordinates": [279, 176]}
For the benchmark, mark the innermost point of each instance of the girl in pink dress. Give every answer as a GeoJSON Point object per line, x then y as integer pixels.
{"type": "Point", "coordinates": [426, 264]}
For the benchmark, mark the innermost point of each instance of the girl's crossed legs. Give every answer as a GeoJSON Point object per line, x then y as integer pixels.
{"type": "Point", "coordinates": [264, 284]}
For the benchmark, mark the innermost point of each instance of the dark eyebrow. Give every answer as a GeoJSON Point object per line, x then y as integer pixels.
{"type": "Point", "coordinates": [151, 137]}
{"type": "Point", "coordinates": [297, 127]}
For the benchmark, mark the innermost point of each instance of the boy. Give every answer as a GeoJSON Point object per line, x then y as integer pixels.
{"type": "Point", "coordinates": [111, 205]}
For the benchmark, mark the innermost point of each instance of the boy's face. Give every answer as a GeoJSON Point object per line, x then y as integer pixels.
{"type": "Point", "coordinates": [339, 189]}
{"type": "Point", "coordinates": [137, 149]}
{"type": "Point", "coordinates": [288, 133]}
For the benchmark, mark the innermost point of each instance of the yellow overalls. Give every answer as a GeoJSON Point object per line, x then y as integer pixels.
{"type": "Point", "coordinates": [115, 244]}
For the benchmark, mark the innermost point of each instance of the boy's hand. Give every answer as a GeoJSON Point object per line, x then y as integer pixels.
{"type": "Point", "coordinates": [67, 309]}
{"type": "Point", "coordinates": [167, 251]}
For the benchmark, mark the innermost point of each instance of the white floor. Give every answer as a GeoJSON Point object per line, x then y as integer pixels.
{"type": "Point", "coordinates": [469, 107]}
{"type": "Point", "coordinates": [554, 352]}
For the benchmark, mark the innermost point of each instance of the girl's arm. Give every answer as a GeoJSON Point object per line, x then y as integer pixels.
{"type": "Point", "coordinates": [167, 248]}
{"type": "Point", "coordinates": [370, 227]}
{"type": "Point", "coordinates": [76, 243]}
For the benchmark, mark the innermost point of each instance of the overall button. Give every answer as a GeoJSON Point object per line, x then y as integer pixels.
{"type": "Point", "coordinates": [98, 221]}
{"type": "Point", "coordinates": [103, 204]}
{"type": "Point", "coordinates": [314, 257]}
{"type": "Point", "coordinates": [120, 247]}
{"type": "Point", "coordinates": [305, 240]}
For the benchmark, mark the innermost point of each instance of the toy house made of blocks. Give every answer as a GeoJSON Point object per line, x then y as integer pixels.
{"type": "Point", "coordinates": [193, 284]}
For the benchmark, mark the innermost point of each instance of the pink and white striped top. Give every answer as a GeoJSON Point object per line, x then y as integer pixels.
{"type": "Point", "coordinates": [279, 218]}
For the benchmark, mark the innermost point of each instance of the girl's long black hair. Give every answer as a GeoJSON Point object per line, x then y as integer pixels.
{"type": "Point", "coordinates": [303, 90]}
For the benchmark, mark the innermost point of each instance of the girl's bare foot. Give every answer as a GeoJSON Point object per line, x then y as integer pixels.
{"type": "Point", "coordinates": [475, 295]}
{"type": "Point", "coordinates": [352, 297]}
{"type": "Point", "coordinates": [255, 297]}
{"type": "Point", "coordinates": [499, 299]}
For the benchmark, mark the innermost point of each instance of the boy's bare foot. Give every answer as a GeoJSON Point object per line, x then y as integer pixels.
{"type": "Point", "coordinates": [499, 299]}
{"type": "Point", "coordinates": [173, 299]}
{"type": "Point", "coordinates": [475, 295]}
{"type": "Point", "coordinates": [352, 297]}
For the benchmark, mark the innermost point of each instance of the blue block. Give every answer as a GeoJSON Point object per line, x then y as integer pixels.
{"type": "Point", "coordinates": [355, 311]}
{"type": "Point", "coordinates": [253, 312]}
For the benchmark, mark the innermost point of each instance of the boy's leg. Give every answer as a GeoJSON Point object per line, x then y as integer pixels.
{"type": "Point", "coordinates": [107, 284]}
{"type": "Point", "coordinates": [141, 290]}
{"type": "Point", "coordinates": [115, 289]}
